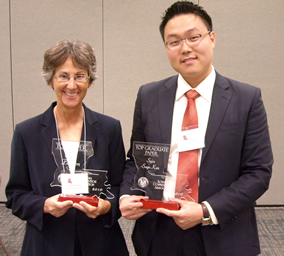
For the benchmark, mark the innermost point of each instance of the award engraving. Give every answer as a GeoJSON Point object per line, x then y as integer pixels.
{"type": "Point", "coordinates": [98, 184]}
{"type": "Point", "coordinates": [151, 160]}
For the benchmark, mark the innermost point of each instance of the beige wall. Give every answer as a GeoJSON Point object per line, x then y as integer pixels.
{"type": "Point", "coordinates": [130, 52]}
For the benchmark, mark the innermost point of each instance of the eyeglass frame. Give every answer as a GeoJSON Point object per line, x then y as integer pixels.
{"type": "Point", "coordinates": [69, 77]}
{"type": "Point", "coordinates": [185, 39]}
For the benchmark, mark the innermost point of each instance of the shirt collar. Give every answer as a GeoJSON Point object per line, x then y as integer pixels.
{"type": "Point", "coordinates": [205, 88]}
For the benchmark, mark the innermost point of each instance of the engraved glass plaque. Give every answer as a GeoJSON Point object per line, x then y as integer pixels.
{"type": "Point", "coordinates": [78, 183]}
{"type": "Point", "coordinates": [151, 160]}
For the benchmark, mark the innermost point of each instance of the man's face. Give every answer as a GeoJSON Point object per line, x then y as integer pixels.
{"type": "Point", "coordinates": [194, 62]}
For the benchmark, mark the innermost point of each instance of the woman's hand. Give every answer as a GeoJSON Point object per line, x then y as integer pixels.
{"type": "Point", "coordinates": [55, 208]}
{"type": "Point", "coordinates": [103, 207]}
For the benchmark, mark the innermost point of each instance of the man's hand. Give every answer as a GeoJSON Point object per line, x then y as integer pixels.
{"type": "Point", "coordinates": [103, 207]}
{"type": "Point", "coordinates": [55, 208]}
{"type": "Point", "coordinates": [189, 215]}
{"type": "Point", "coordinates": [131, 207]}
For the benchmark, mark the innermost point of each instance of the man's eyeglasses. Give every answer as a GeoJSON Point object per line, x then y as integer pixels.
{"type": "Point", "coordinates": [79, 78]}
{"type": "Point", "coordinates": [191, 40]}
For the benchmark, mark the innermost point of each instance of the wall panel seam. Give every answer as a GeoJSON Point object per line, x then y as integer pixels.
{"type": "Point", "coordinates": [103, 58]}
{"type": "Point", "coordinates": [11, 66]}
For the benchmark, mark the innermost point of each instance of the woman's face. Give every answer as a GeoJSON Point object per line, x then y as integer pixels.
{"type": "Point", "coordinates": [71, 93]}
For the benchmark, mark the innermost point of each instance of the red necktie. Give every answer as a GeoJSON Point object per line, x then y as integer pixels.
{"type": "Point", "coordinates": [187, 173]}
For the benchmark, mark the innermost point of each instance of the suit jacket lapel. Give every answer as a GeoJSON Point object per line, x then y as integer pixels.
{"type": "Point", "coordinates": [166, 106]}
{"type": "Point", "coordinates": [48, 127]}
{"type": "Point", "coordinates": [220, 101]}
{"type": "Point", "coordinates": [91, 127]}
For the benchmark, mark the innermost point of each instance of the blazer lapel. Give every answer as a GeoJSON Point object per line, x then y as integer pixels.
{"type": "Point", "coordinates": [166, 106]}
{"type": "Point", "coordinates": [220, 101]}
{"type": "Point", "coordinates": [91, 126]}
{"type": "Point", "coordinates": [48, 127]}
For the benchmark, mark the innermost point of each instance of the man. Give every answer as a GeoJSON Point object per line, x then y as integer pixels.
{"type": "Point", "coordinates": [234, 164]}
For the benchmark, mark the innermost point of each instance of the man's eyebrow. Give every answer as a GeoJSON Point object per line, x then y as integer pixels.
{"type": "Point", "coordinates": [187, 32]}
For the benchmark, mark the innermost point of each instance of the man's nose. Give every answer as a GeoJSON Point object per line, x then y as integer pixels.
{"type": "Point", "coordinates": [185, 47]}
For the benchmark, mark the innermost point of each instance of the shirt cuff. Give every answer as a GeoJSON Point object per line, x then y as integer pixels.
{"type": "Point", "coordinates": [211, 212]}
{"type": "Point", "coordinates": [122, 197]}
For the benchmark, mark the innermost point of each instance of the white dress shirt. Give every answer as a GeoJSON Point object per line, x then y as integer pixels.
{"type": "Point", "coordinates": [71, 152]}
{"type": "Point", "coordinates": [203, 104]}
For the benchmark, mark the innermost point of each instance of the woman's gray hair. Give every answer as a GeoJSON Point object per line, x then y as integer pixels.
{"type": "Point", "coordinates": [81, 53]}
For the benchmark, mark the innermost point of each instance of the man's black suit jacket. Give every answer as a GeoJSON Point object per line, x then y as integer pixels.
{"type": "Point", "coordinates": [236, 162]}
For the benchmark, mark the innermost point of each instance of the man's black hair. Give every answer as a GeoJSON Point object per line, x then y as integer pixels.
{"type": "Point", "coordinates": [185, 7]}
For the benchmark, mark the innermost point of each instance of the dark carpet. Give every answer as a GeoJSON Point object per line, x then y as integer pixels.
{"type": "Point", "coordinates": [270, 225]}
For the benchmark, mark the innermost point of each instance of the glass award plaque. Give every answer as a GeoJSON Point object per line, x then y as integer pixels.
{"type": "Point", "coordinates": [151, 160]}
{"type": "Point", "coordinates": [78, 183]}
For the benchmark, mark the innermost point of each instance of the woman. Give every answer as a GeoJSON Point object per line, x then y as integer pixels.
{"type": "Point", "coordinates": [68, 138]}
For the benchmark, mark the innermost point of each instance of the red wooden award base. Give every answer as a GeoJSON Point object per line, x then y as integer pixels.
{"type": "Point", "coordinates": [92, 200]}
{"type": "Point", "coordinates": [154, 204]}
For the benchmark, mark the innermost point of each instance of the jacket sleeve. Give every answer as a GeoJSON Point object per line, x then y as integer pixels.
{"type": "Point", "coordinates": [117, 160]}
{"type": "Point", "coordinates": [130, 169]}
{"type": "Point", "coordinates": [24, 203]}
{"type": "Point", "coordinates": [253, 168]}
